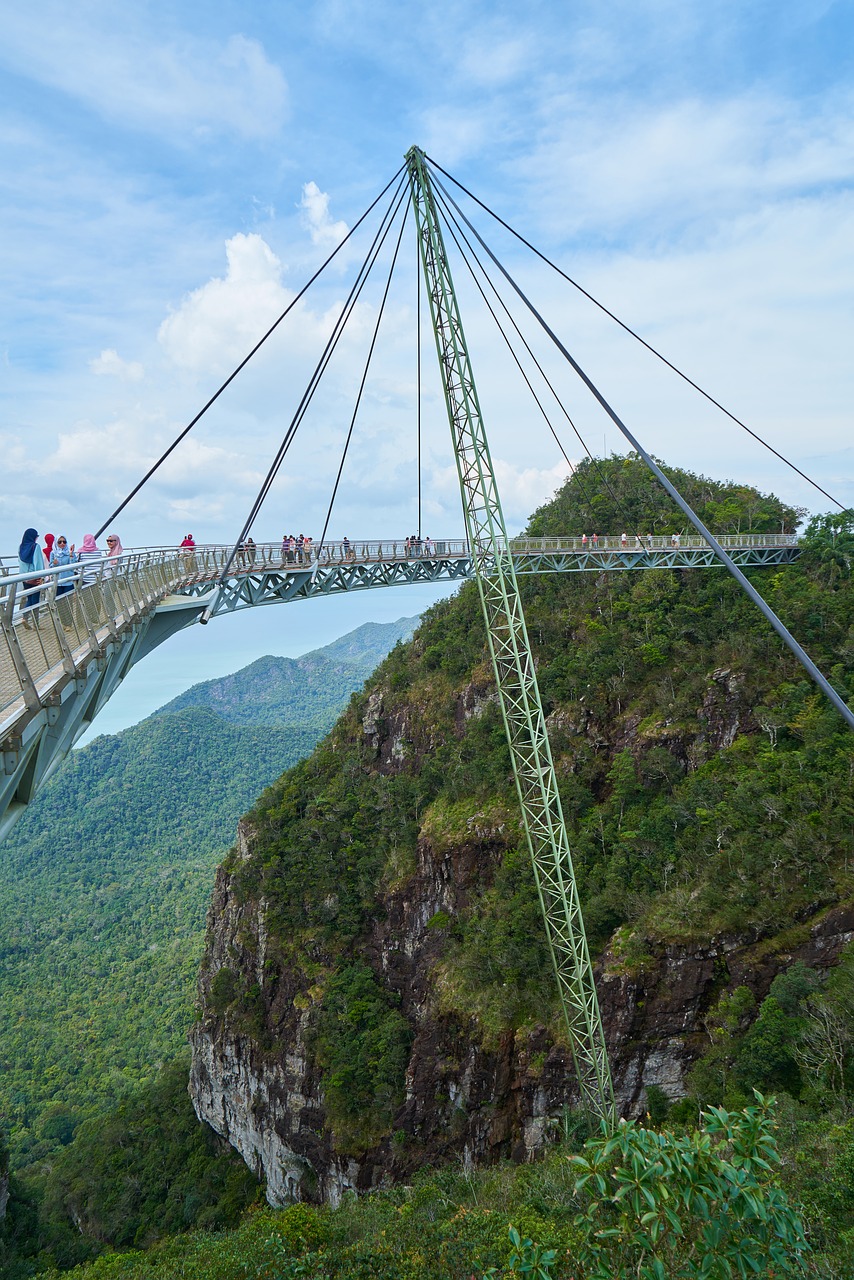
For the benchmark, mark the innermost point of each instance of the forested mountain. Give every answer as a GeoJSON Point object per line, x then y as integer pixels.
{"type": "Point", "coordinates": [105, 881]}
{"type": "Point", "coordinates": [376, 976]}
{"type": "Point", "coordinates": [305, 691]}
{"type": "Point", "coordinates": [377, 1005]}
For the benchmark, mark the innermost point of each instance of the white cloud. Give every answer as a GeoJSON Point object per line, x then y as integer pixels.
{"type": "Point", "coordinates": [110, 364]}
{"type": "Point", "coordinates": [221, 321]}
{"type": "Point", "coordinates": [315, 206]}
{"type": "Point", "coordinates": [691, 162]}
{"type": "Point", "coordinates": [162, 80]}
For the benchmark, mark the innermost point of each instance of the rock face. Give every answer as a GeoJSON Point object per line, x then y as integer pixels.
{"type": "Point", "coordinates": [473, 1093]}
{"type": "Point", "coordinates": [260, 1090]}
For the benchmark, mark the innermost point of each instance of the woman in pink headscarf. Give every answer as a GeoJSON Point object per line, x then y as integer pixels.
{"type": "Point", "coordinates": [89, 555]}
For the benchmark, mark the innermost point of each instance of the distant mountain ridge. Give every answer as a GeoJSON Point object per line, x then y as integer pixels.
{"type": "Point", "coordinates": [297, 691]}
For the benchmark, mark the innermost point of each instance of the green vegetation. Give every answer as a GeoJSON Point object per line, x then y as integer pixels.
{"type": "Point", "coordinates": [708, 791]}
{"type": "Point", "coordinates": [104, 883]}
{"type": "Point", "coordinates": [362, 1044]}
{"type": "Point", "coordinates": [144, 1170]}
{"type": "Point", "coordinates": [643, 1204]}
{"type": "Point", "coordinates": [609, 495]}
{"type": "Point", "coordinates": [308, 691]}
{"type": "Point", "coordinates": [707, 786]}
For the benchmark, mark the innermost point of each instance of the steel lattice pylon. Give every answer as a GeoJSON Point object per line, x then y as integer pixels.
{"type": "Point", "coordinates": [519, 694]}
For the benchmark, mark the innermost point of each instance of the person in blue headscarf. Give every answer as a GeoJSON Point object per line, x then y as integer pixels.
{"type": "Point", "coordinates": [31, 562]}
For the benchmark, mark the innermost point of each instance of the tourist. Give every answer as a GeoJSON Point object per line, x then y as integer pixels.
{"type": "Point", "coordinates": [623, 540]}
{"type": "Point", "coordinates": [63, 555]}
{"type": "Point", "coordinates": [88, 554]}
{"type": "Point", "coordinates": [188, 546]}
{"type": "Point", "coordinates": [31, 561]}
{"type": "Point", "coordinates": [48, 547]}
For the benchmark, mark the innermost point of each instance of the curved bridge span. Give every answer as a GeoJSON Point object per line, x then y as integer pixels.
{"type": "Point", "coordinates": [67, 645]}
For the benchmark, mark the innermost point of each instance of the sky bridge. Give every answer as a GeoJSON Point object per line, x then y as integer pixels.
{"type": "Point", "coordinates": [61, 660]}
{"type": "Point", "coordinates": [68, 639]}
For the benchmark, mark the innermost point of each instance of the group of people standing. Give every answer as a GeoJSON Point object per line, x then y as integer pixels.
{"type": "Point", "coordinates": [296, 550]}
{"type": "Point", "coordinates": [418, 546]}
{"type": "Point", "coordinates": [35, 560]}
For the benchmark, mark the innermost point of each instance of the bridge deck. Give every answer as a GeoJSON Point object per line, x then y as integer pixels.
{"type": "Point", "coordinates": [62, 659]}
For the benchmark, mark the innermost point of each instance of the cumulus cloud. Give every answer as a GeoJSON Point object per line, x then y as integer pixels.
{"type": "Point", "coordinates": [221, 321]}
{"type": "Point", "coordinates": [218, 324]}
{"type": "Point", "coordinates": [316, 217]}
{"type": "Point", "coordinates": [110, 364]}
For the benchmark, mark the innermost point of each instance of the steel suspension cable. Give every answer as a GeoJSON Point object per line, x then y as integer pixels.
{"type": "Point", "coordinates": [246, 359]}
{"type": "Point", "coordinates": [632, 333]}
{"type": "Point", "coordinates": [787, 638]}
{"type": "Point", "coordinates": [364, 271]}
{"type": "Point", "coordinates": [332, 342]}
{"type": "Point", "coordinates": [364, 380]}
{"type": "Point", "coordinates": [454, 227]}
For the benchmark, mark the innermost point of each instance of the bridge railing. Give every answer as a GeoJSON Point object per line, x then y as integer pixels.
{"type": "Point", "coordinates": [48, 630]}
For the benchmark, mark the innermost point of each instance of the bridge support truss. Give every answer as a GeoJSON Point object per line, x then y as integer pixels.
{"type": "Point", "coordinates": [519, 695]}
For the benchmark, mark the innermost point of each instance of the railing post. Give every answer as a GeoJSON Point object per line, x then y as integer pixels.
{"type": "Point", "coordinates": [16, 653]}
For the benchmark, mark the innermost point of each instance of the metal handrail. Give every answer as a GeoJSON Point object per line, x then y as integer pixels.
{"type": "Point", "coordinates": [216, 554]}
{"type": "Point", "coordinates": [48, 631]}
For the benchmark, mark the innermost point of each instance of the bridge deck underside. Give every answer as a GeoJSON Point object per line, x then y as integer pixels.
{"type": "Point", "coordinates": [277, 585]}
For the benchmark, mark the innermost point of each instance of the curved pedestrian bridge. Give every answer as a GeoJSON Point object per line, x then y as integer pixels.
{"type": "Point", "coordinates": [62, 657]}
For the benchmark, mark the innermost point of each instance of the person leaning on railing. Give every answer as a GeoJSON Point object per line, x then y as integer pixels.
{"type": "Point", "coordinates": [88, 554]}
{"type": "Point", "coordinates": [62, 554]}
{"type": "Point", "coordinates": [31, 560]}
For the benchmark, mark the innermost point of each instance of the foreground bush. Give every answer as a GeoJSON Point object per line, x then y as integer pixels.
{"type": "Point", "coordinates": [641, 1204]}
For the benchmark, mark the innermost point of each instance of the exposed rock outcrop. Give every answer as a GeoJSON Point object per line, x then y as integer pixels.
{"type": "Point", "coordinates": [261, 1091]}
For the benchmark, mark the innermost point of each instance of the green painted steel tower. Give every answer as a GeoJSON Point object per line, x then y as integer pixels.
{"type": "Point", "coordinates": [513, 664]}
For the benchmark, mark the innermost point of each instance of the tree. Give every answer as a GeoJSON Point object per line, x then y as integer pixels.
{"type": "Point", "coordinates": [666, 1206]}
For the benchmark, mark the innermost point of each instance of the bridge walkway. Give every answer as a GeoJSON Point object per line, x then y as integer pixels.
{"type": "Point", "coordinates": [58, 670]}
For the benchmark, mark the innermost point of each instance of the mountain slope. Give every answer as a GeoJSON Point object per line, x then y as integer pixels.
{"type": "Point", "coordinates": [105, 883]}
{"type": "Point", "coordinates": [308, 690]}
{"type": "Point", "coordinates": [376, 976]}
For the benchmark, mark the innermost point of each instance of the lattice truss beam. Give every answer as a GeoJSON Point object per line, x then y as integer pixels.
{"type": "Point", "coordinates": [516, 678]}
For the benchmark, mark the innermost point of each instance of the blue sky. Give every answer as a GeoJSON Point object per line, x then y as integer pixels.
{"type": "Point", "coordinates": [172, 173]}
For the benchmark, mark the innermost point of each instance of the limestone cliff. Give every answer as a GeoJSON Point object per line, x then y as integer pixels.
{"type": "Point", "coordinates": [376, 993]}
{"type": "Point", "coordinates": [263, 1093]}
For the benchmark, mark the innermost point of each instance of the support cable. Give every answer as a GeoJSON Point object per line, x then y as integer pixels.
{"type": "Point", "coordinates": [323, 363]}
{"type": "Point", "coordinates": [362, 383]}
{"type": "Point", "coordinates": [454, 227]}
{"type": "Point", "coordinates": [787, 638]}
{"type": "Point", "coordinates": [364, 271]}
{"type": "Point", "coordinates": [245, 360]}
{"type": "Point", "coordinates": [632, 333]}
